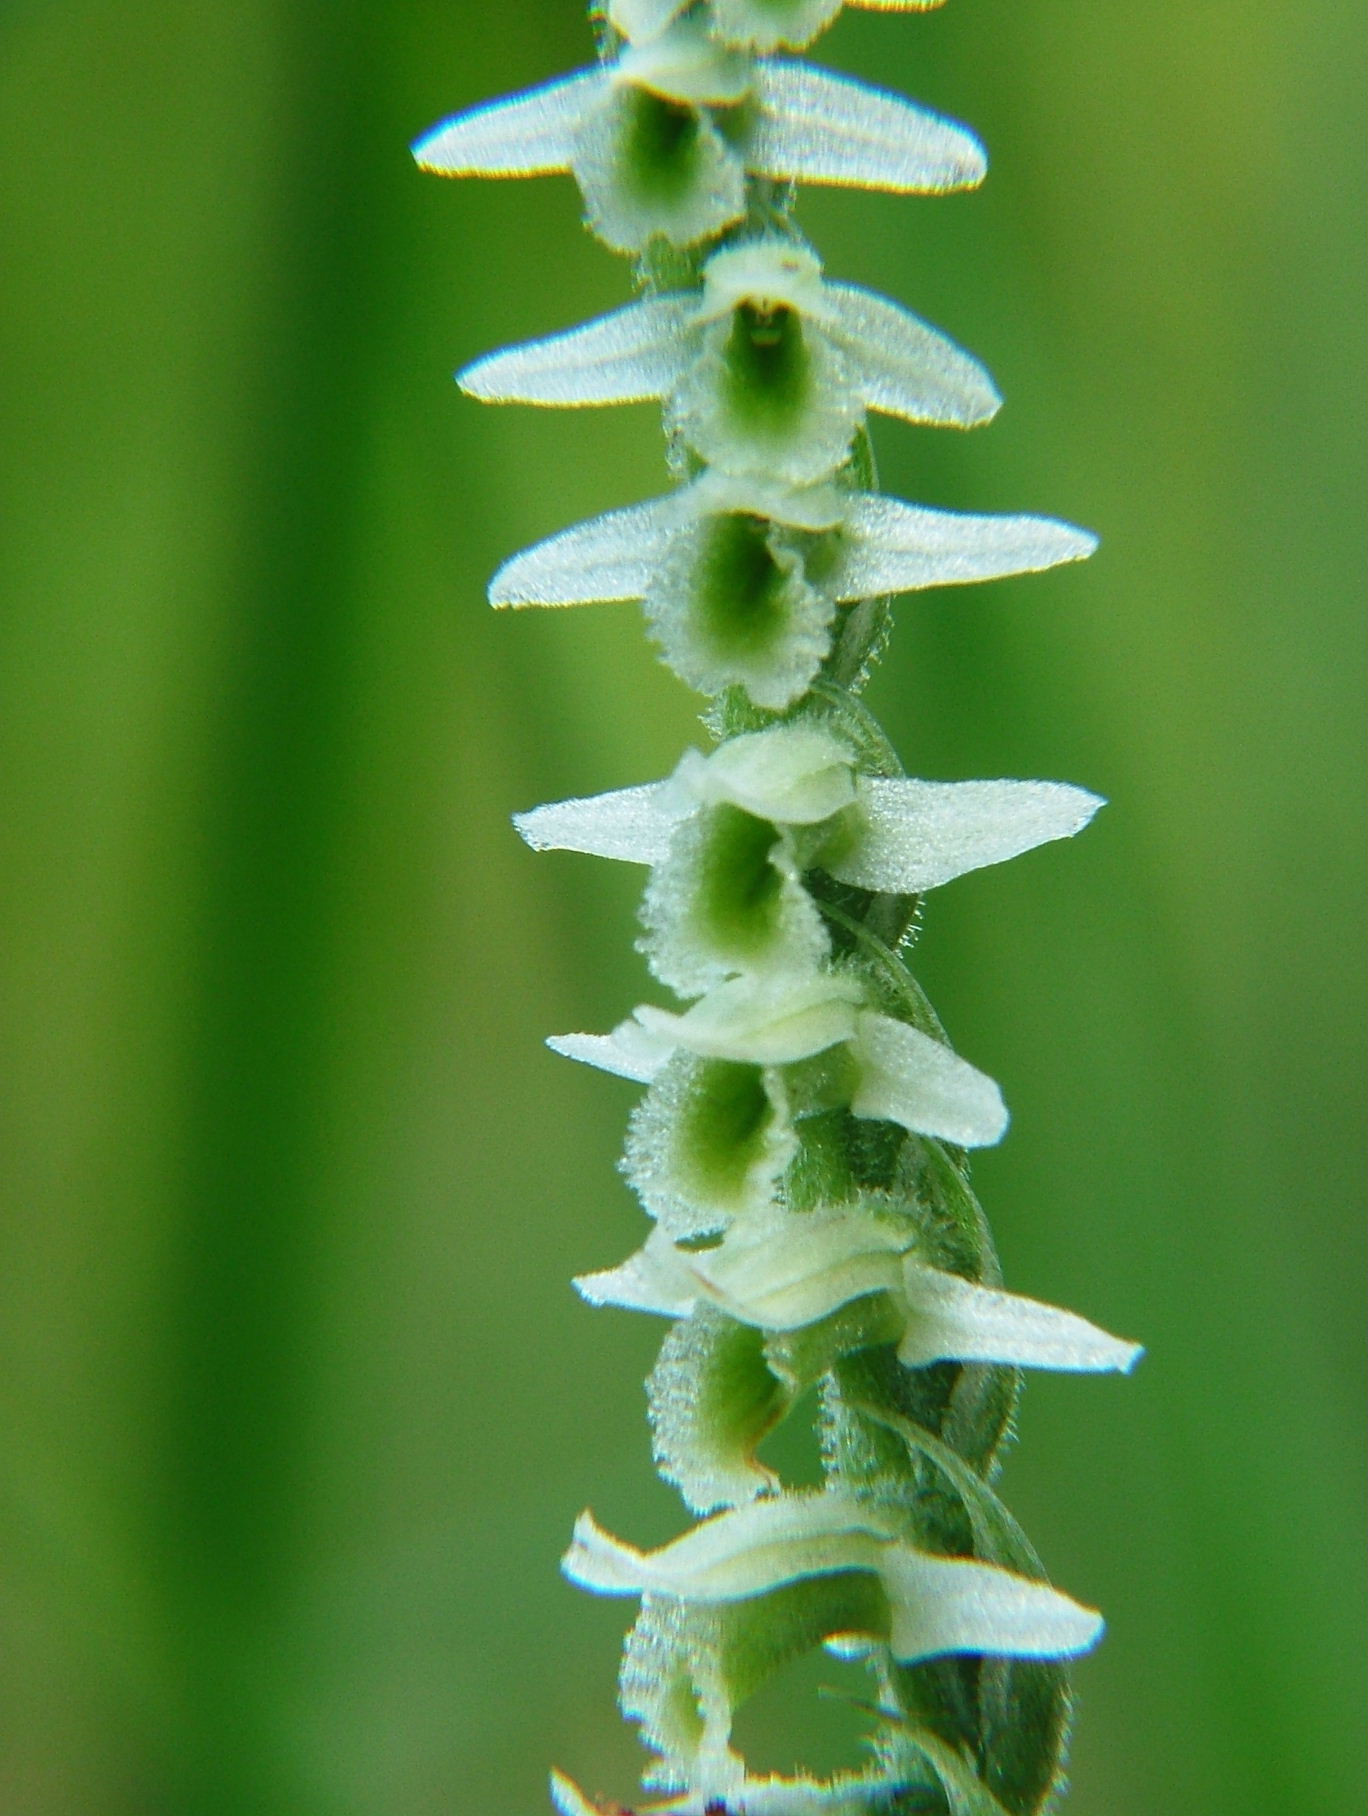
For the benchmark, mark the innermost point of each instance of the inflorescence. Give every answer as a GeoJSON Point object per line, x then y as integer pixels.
{"type": "Point", "coordinates": [801, 1143]}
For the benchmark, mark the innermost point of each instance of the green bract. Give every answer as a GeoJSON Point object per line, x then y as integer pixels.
{"type": "Point", "coordinates": [800, 1144]}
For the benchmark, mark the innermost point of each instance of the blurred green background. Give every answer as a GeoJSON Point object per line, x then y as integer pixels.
{"type": "Point", "coordinates": [298, 1405]}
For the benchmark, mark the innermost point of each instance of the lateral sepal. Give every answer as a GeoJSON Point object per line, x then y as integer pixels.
{"type": "Point", "coordinates": [662, 138]}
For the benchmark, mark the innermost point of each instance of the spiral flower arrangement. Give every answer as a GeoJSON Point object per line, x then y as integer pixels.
{"type": "Point", "coordinates": [800, 1147]}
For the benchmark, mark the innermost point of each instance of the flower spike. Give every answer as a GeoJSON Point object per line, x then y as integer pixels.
{"type": "Point", "coordinates": [801, 1138]}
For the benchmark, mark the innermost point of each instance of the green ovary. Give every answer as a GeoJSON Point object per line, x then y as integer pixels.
{"type": "Point", "coordinates": [740, 605]}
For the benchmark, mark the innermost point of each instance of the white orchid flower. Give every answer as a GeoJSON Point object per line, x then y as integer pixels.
{"type": "Point", "coordinates": [767, 371]}
{"type": "Point", "coordinates": [662, 139]}
{"type": "Point", "coordinates": [936, 1605]}
{"type": "Point", "coordinates": [743, 579]}
{"type": "Point", "coordinates": [783, 1270]}
{"type": "Point", "coordinates": [714, 1134]}
{"type": "Point", "coordinates": [728, 836]}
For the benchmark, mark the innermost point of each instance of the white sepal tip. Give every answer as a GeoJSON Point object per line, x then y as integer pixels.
{"type": "Point", "coordinates": [628, 1052]}
{"type": "Point", "coordinates": [817, 127]}
{"type": "Point", "coordinates": [908, 1078]}
{"type": "Point", "coordinates": [631, 824]}
{"type": "Point", "coordinates": [916, 835]}
{"type": "Point", "coordinates": [527, 134]}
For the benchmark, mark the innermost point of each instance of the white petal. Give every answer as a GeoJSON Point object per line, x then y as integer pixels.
{"type": "Point", "coordinates": [628, 1051]}
{"type": "Point", "coordinates": [917, 835]}
{"type": "Point", "coordinates": [954, 1320]}
{"type": "Point", "coordinates": [945, 1605]}
{"type": "Point", "coordinates": [658, 1278]}
{"type": "Point", "coordinates": [529, 134]}
{"type": "Point", "coordinates": [765, 27]}
{"type": "Point", "coordinates": [774, 1270]}
{"type": "Point", "coordinates": [820, 128]}
{"type": "Point", "coordinates": [633, 824]}
{"type": "Point", "coordinates": [630, 356]}
{"type": "Point", "coordinates": [796, 1268]}
{"type": "Point", "coordinates": [908, 1078]}
{"type": "Point", "coordinates": [741, 1553]}
{"type": "Point", "coordinates": [763, 1021]}
{"type": "Point", "coordinates": [768, 272]}
{"type": "Point", "coordinates": [643, 19]}
{"type": "Point", "coordinates": [610, 557]}
{"type": "Point", "coordinates": [897, 547]}
{"type": "Point", "coordinates": [907, 368]}
{"type": "Point", "coordinates": [939, 1605]}
{"type": "Point", "coordinates": [794, 775]}
{"type": "Point", "coordinates": [817, 507]}
{"type": "Point", "coordinates": [596, 1560]}
{"type": "Point", "coordinates": [685, 63]}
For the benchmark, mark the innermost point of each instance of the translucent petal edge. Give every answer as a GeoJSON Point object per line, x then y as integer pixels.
{"type": "Point", "coordinates": [523, 135]}
{"type": "Point", "coordinates": [818, 127]}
